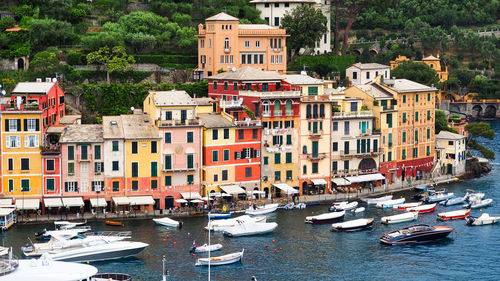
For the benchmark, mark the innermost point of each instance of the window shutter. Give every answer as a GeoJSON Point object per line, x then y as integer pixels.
{"type": "Point", "coordinates": [26, 141]}
{"type": "Point", "coordinates": [37, 128]}
{"type": "Point", "coordinates": [6, 125]}
{"type": "Point", "coordinates": [25, 125]}
{"type": "Point", "coordinates": [37, 141]}
{"type": "Point", "coordinates": [251, 153]}
{"type": "Point", "coordinates": [18, 141]}
{"type": "Point", "coordinates": [66, 186]}
{"type": "Point", "coordinates": [18, 125]}
{"type": "Point", "coordinates": [236, 155]}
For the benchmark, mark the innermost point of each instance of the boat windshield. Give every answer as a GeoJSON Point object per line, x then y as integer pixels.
{"type": "Point", "coordinates": [420, 227]}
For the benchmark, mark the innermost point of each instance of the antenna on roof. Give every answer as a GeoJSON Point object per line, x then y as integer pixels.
{"type": "Point", "coordinates": [132, 108]}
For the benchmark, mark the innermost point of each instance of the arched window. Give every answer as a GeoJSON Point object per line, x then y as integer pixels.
{"type": "Point", "coordinates": [304, 149]}
{"type": "Point", "coordinates": [226, 43]}
{"type": "Point", "coordinates": [308, 114]}
{"type": "Point", "coordinates": [304, 188]}
{"type": "Point", "coordinates": [322, 110]}
{"type": "Point", "coordinates": [304, 170]}
{"type": "Point", "coordinates": [265, 107]}
{"type": "Point", "coordinates": [315, 111]}
{"type": "Point", "coordinates": [289, 110]}
{"type": "Point", "coordinates": [277, 108]}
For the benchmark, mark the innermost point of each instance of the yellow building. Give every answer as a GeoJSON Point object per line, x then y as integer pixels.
{"type": "Point", "coordinates": [450, 154]}
{"type": "Point", "coordinates": [432, 61]}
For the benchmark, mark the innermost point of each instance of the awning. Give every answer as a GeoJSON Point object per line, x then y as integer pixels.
{"type": "Point", "coordinates": [121, 200]}
{"type": "Point", "coordinates": [28, 204]}
{"type": "Point", "coordinates": [52, 202]}
{"type": "Point", "coordinates": [72, 202]}
{"type": "Point", "coordinates": [319, 182]}
{"type": "Point", "coordinates": [340, 181]}
{"type": "Point", "coordinates": [141, 200]}
{"type": "Point", "coordinates": [5, 211]}
{"type": "Point", "coordinates": [181, 201]}
{"type": "Point", "coordinates": [232, 189]}
{"type": "Point", "coordinates": [5, 201]}
{"type": "Point", "coordinates": [98, 202]}
{"type": "Point", "coordinates": [365, 178]}
{"type": "Point", "coordinates": [190, 195]}
{"type": "Point", "coordinates": [286, 188]}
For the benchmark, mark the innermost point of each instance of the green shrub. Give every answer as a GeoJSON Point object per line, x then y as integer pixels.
{"type": "Point", "coordinates": [339, 63]}
{"type": "Point", "coordinates": [75, 58]}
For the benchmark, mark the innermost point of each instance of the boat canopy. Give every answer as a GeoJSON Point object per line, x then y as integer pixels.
{"type": "Point", "coordinates": [286, 188]}
{"type": "Point", "coordinates": [98, 202]}
{"type": "Point", "coordinates": [340, 181]}
{"type": "Point", "coordinates": [190, 195]}
{"type": "Point", "coordinates": [52, 202]}
{"type": "Point", "coordinates": [365, 178]}
{"type": "Point", "coordinates": [72, 202]}
{"type": "Point", "coordinates": [5, 211]}
{"type": "Point", "coordinates": [28, 204]}
{"type": "Point", "coordinates": [5, 201]}
{"type": "Point", "coordinates": [232, 189]}
{"type": "Point", "coordinates": [319, 182]}
{"type": "Point", "coordinates": [141, 200]}
{"type": "Point", "coordinates": [121, 200]}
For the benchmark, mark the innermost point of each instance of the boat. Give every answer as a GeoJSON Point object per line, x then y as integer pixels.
{"type": "Point", "coordinates": [300, 206]}
{"type": "Point", "coordinates": [221, 260]}
{"type": "Point", "coordinates": [220, 225]}
{"type": "Point", "coordinates": [422, 187]}
{"type": "Point", "coordinates": [458, 214]}
{"type": "Point", "coordinates": [168, 222]}
{"type": "Point", "coordinates": [7, 218]}
{"type": "Point", "coordinates": [353, 225]}
{"type": "Point", "coordinates": [111, 277]}
{"type": "Point", "coordinates": [473, 195]}
{"type": "Point", "coordinates": [404, 217]}
{"type": "Point", "coordinates": [219, 216]}
{"type": "Point", "coordinates": [359, 210]}
{"type": "Point", "coordinates": [479, 203]}
{"type": "Point", "coordinates": [289, 206]}
{"type": "Point", "coordinates": [415, 234]}
{"type": "Point", "coordinates": [390, 203]}
{"type": "Point", "coordinates": [250, 228]}
{"type": "Point", "coordinates": [45, 235]}
{"type": "Point", "coordinates": [326, 218]}
{"type": "Point", "coordinates": [255, 210]}
{"type": "Point", "coordinates": [343, 206]}
{"type": "Point", "coordinates": [484, 219]}
{"type": "Point", "coordinates": [69, 224]}
{"type": "Point", "coordinates": [205, 248]}
{"type": "Point", "coordinates": [373, 201]}
{"type": "Point", "coordinates": [407, 205]}
{"type": "Point", "coordinates": [454, 201]}
{"type": "Point", "coordinates": [114, 223]}
{"type": "Point", "coordinates": [4, 251]}
{"type": "Point", "coordinates": [438, 197]}
{"type": "Point", "coordinates": [423, 208]}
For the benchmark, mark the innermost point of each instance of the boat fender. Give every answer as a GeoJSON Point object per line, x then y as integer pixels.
{"type": "Point", "coordinates": [275, 250]}
{"type": "Point", "coordinates": [266, 246]}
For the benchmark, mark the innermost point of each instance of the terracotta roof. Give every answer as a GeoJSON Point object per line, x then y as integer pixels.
{"type": "Point", "coordinates": [214, 120]}
{"type": "Point", "coordinates": [173, 97]}
{"type": "Point", "coordinates": [248, 73]}
{"type": "Point", "coordinates": [113, 128]}
{"type": "Point", "coordinates": [449, 136]}
{"type": "Point", "coordinates": [82, 133]}
{"type": "Point", "coordinates": [222, 17]}
{"type": "Point", "coordinates": [204, 101]}
{"type": "Point", "coordinates": [15, 28]}
{"type": "Point", "coordinates": [33, 87]}
{"type": "Point", "coordinates": [375, 91]}
{"type": "Point", "coordinates": [369, 66]}
{"type": "Point", "coordinates": [139, 126]}
{"type": "Point", "coordinates": [69, 119]}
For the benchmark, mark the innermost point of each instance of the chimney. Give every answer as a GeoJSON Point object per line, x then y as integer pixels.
{"type": "Point", "coordinates": [47, 79]}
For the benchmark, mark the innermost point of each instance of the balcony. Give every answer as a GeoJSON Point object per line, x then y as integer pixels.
{"type": "Point", "coordinates": [227, 49]}
{"type": "Point", "coordinates": [315, 116]}
{"type": "Point", "coordinates": [248, 123]}
{"type": "Point", "coordinates": [355, 153]}
{"type": "Point", "coordinates": [53, 149]}
{"type": "Point", "coordinates": [289, 112]}
{"type": "Point", "coordinates": [277, 131]}
{"type": "Point", "coordinates": [179, 169]}
{"type": "Point", "coordinates": [266, 114]}
{"type": "Point", "coordinates": [315, 134]}
{"type": "Point", "coordinates": [23, 107]}
{"type": "Point", "coordinates": [316, 156]}
{"type": "Point", "coordinates": [356, 114]}
{"type": "Point", "coordinates": [388, 107]}
{"type": "Point", "coordinates": [231, 103]}
{"type": "Point", "coordinates": [277, 49]}
{"type": "Point", "coordinates": [176, 123]}
{"type": "Point", "coordinates": [86, 159]}
{"type": "Point", "coordinates": [353, 172]}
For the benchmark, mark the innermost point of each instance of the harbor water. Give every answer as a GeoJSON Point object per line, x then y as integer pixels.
{"type": "Point", "coordinates": [313, 252]}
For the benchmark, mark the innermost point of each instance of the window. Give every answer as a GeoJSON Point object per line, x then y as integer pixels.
{"type": "Point", "coordinates": [404, 98]}
{"type": "Point", "coordinates": [190, 179]}
{"type": "Point", "coordinates": [404, 117]}
{"type": "Point", "coordinates": [354, 106]}
{"type": "Point", "coordinates": [304, 170]}
{"type": "Point", "coordinates": [248, 172]}
{"type": "Point", "coordinates": [241, 134]}
{"type": "Point", "coordinates": [168, 180]}
{"type": "Point", "coordinates": [346, 165]}
{"type": "Point", "coordinates": [428, 150]}
{"type": "Point", "coordinates": [226, 86]}
{"type": "Point", "coordinates": [289, 174]}
{"type": "Point", "coordinates": [416, 116]}
{"type": "Point", "coordinates": [168, 115]}
{"type": "Point", "coordinates": [25, 164]}
{"type": "Point", "coordinates": [154, 169]}
{"type": "Point", "coordinates": [416, 98]}
{"type": "Point", "coordinates": [335, 126]}
{"type": "Point", "coordinates": [154, 184]}
{"type": "Point", "coordinates": [266, 160]}
{"type": "Point", "coordinates": [389, 156]}
{"type": "Point", "coordinates": [115, 146]}
{"type": "Point", "coordinates": [428, 115]}
{"type": "Point", "coordinates": [354, 76]}
{"type": "Point", "coordinates": [84, 152]}
{"type": "Point", "coordinates": [135, 169]}
{"type": "Point", "coordinates": [154, 147]}
{"type": "Point", "coordinates": [215, 85]}
{"type": "Point", "coordinates": [30, 125]}
{"type": "Point", "coordinates": [96, 186]}
{"type": "Point", "coordinates": [216, 177]}
{"type": "Point", "coordinates": [266, 5]}
{"type": "Point", "coordinates": [25, 185]}
{"type": "Point", "coordinates": [215, 134]}
{"type": "Point", "coordinates": [226, 155]}
{"type": "Point", "coordinates": [404, 154]}
{"type": "Point", "coordinates": [288, 157]}
{"type": "Point", "coordinates": [12, 125]}
{"type": "Point", "coordinates": [390, 140]}
{"type": "Point", "coordinates": [168, 137]}
{"type": "Point", "coordinates": [428, 97]}
{"type": "Point", "coordinates": [71, 169]}
{"type": "Point", "coordinates": [335, 146]}
{"type": "Point", "coordinates": [277, 158]}
{"type": "Point", "coordinates": [277, 175]}
{"type": "Point", "coordinates": [257, 44]}
{"type": "Point", "coordinates": [49, 164]}
{"type": "Point", "coordinates": [13, 141]}
{"type": "Point", "coordinates": [334, 166]}
{"type": "Point", "coordinates": [277, 108]}
{"type": "Point", "coordinates": [404, 137]}
{"type": "Point", "coordinates": [276, 20]}
{"type": "Point", "coordinates": [288, 139]}
{"type": "Point", "coordinates": [215, 156]}
{"type": "Point", "coordinates": [247, 44]}
{"type": "Point", "coordinates": [116, 166]}
{"type": "Point", "coordinates": [168, 162]}
{"type": "Point", "coordinates": [255, 134]}
{"type": "Point", "coordinates": [304, 149]}
{"type": "Point", "coordinates": [312, 91]}
{"type": "Point", "coordinates": [135, 185]}
{"type": "Point", "coordinates": [224, 175]}
{"type": "Point", "coordinates": [226, 43]}
{"type": "Point", "coordinates": [97, 152]}
{"type": "Point", "coordinates": [389, 120]}
{"type": "Point", "coordinates": [50, 184]}
{"type": "Point", "coordinates": [116, 186]}
{"type": "Point", "coordinates": [346, 128]}
{"type": "Point", "coordinates": [134, 147]}
{"type": "Point", "coordinates": [368, 75]}
{"type": "Point", "coordinates": [10, 164]}
{"type": "Point", "coordinates": [71, 186]}
{"type": "Point", "coordinates": [314, 168]}
{"type": "Point", "coordinates": [415, 152]}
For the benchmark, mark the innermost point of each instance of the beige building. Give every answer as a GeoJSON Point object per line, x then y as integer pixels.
{"type": "Point", "coordinates": [450, 153]}
{"type": "Point", "coordinates": [363, 73]}
{"type": "Point", "coordinates": [432, 61]}
{"type": "Point", "coordinates": [224, 44]}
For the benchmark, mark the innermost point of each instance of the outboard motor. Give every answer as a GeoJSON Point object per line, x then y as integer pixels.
{"type": "Point", "coordinates": [192, 249]}
{"type": "Point", "coordinates": [180, 224]}
{"type": "Point", "coordinates": [41, 232]}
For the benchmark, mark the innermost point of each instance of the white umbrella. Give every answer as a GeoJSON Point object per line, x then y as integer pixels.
{"type": "Point", "coordinates": [196, 201]}
{"type": "Point", "coordinates": [206, 198]}
{"type": "Point", "coordinates": [181, 201]}
{"type": "Point", "coordinates": [258, 192]}
{"type": "Point", "coordinates": [216, 194]}
{"type": "Point", "coordinates": [226, 195]}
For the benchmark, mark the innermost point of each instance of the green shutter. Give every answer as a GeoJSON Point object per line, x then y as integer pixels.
{"type": "Point", "coordinates": [277, 158]}
{"type": "Point", "coordinates": [154, 169]}
{"type": "Point", "coordinates": [168, 162]}
{"type": "Point", "coordinates": [288, 157]}
{"type": "Point", "coordinates": [168, 180]}
{"type": "Point", "coordinates": [190, 161]}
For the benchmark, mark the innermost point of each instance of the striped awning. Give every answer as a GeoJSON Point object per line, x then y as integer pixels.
{"type": "Point", "coordinates": [98, 202]}
{"type": "Point", "coordinates": [28, 204]}
{"type": "Point", "coordinates": [52, 202]}
{"type": "Point", "coordinates": [72, 202]}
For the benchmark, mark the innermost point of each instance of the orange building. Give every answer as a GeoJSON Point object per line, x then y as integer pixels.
{"type": "Point", "coordinates": [224, 43]}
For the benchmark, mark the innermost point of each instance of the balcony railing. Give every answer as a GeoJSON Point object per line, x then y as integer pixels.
{"type": "Point", "coordinates": [388, 107]}
{"type": "Point", "coordinates": [353, 172]}
{"type": "Point", "coordinates": [316, 156]}
{"type": "Point", "coordinates": [185, 122]}
{"type": "Point", "coordinates": [13, 107]}
{"type": "Point", "coordinates": [289, 113]}
{"type": "Point", "coordinates": [248, 122]}
{"type": "Point", "coordinates": [52, 149]}
{"type": "Point", "coordinates": [179, 169]}
{"type": "Point", "coordinates": [82, 159]}
{"type": "Point", "coordinates": [227, 49]}
{"type": "Point", "coordinates": [352, 153]}
{"type": "Point", "coordinates": [231, 103]}
{"type": "Point", "coordinates": [356, 114]}
{"type": "Point", "coordinates": [266, 114]}
{"type": "Point", "coordinates": [277, 131]}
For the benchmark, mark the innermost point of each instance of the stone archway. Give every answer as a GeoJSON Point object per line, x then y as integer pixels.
{"type": "Point", "coordinates": [490, 112]}
{"type": "Point", "coordinates": [357, 52]}
{"type": "Point", "coordinates": [373, 52]}
{"type": "Point", "coordinates": [20, 64]}
{"type": "Point", "coordinates": [455, 108]}
{"type": "Point", "coordinates": [367, 164]}
{"type": "Point", "coordinates": [477, 111]}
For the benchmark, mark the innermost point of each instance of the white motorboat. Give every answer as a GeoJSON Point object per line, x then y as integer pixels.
{"type": "Point", "coordinates": [221, 260]}
{"type": "Point", "coordinates": [261, 210]}
{"type": "Point", "coordinates": [484, 219]}
{"type": "Point", "coordinates": [474, 196]}
{"type": "Point", "coordinates": [4, 251]}
{"type": "Point", "coordinates": [300, 206]}
{"type": "Point", "coordinates": [439, 196]}
{"type": "Point", "coordinates": [407, 205]}
{"type": "Point", "coordinates": [404, 217]}
{"type": "Point", "coordinates": [220, 225]}
{"type": "Point", "coordinates": [168, 222]}
{"type": "Point", "coordinates": [373, 201]}
{"type": "Point", "coordinates": [479, 203]}
{"type": "Point", "coordinates": [390, 203]}
{"type": "Point", "coordinates": [250, 228]}
{"type": "Point", "coordinates": [68, 224]}
{"type": "Point", "coordinates": [359, 210]}
{"type": "Point", "coordinates": [454, 201]}
{"type": "Point", "coordinates": [353, 225]}
{"type": "Point", "coordinates": [325, 218]}
{"type": "Point", "coordinates": [423, 208]}
{"type": "Point", "coordinates": [68, 233]}
{"type": "Point", "coordinates": [343, 206]}
{"type": "Point", "coordinates": [205, 248]}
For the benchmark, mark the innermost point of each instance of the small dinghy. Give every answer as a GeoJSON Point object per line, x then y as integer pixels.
{"type": "Point", "coordinates": [422, 188]}
{"type": "Point", "coordinates": [373, 201]}
{"type": "Point", "coordinates": [300, 206]}
{"type": "Point", "coordinates": [390, 203]}
{"type": "Point", "coordinates": [453, 201]}
{"type": "Point", "coordinates": [407, 205]}
{"type": "Point", "coordinates": [219, 216]}
{"type": "Point", "coordinates": [438, 197]}
{"type": "Point", "coordinates": [261, 210]}
{"type": "Point", "coordinates": [168, 222]}
{"type": "Point", "coordinates": [221, 260]}
{"type": "Point", "coordinates": [343, 206]}
{"type": "Point", "coordinates": [359, 210]}
{"type": "Point", "coordinates": [409, 216]}
{"type": "Point", "coordinates": [205, 248]}
{"type": "Point", "coordinates": [484, 219]}
{"type": "Point", "coordinates": [479, 204]}
{"type": "Point", "coordinates": [423, 208]}
{"type": "Point", "coordinates": [353, 225]}
{"type": "Point", "coordinates": [250, 228]}
{"type": "Point", "coordinates": [453, 215]}
{"type": "Point", "coordinates": [325, 218]}
{"type": "Point", "coordinates": [289, 206]}
{"type": "Point", "coordinates": [114, 223]}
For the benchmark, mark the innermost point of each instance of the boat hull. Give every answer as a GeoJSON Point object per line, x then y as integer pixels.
{"type": "Point", "coordinates": [169, 222]}
{"type": "Point", "coordinates": [222, 260]}
{"type": "Point", "coordinates": [268, 209]}
{"type": "Point", "coordinates": [219, 216]}
{"type": "Point", "coordinates": [398, 218]}
{"type": "Point", "coordinates": [373, 201]}
{"type": "Point", "coordinates": [423, 237]}
{"type": "Point", "coordinates": [453, 216]}
{"type": "Point", "coordinates": [323, 221]}
{"type": "Point", "coordinates": [87, 256]}
{"type": "Point", "coordinates": [369, 224]}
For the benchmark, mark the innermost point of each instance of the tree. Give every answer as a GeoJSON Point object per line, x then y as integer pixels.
{"type": "Point", "coordinates": [433, 38]}
{"type": "Point", "coordinates": [480, 129]}
{"type": "Point", "coordinates": [46, 63]}
{"type": "Point", "coordinates": [305, 25]}
{"type": "Point", "coordinates": [441, 123]}
{"type": "Point", "coordinates": [49, 32]}
{"type": "Point", "coordinates": [416, 71]}
{"type": "Point", "coordinates": [114, 60]}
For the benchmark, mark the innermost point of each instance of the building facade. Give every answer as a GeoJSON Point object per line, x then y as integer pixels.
{"type": "Point", "coordinates": [432, 61]}
{"type": "Point", "coordinates": [450, 153]}
{"type": "Point", "coordinates": [363, 73]}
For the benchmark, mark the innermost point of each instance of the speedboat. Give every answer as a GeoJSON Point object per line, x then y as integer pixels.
{"type": "Point", "coordinates": [407, 205]}
{"type": "Point", "coordinates": [416, 234]}
{"type": "Point", "coordinates": [359, 210]}
{"type": "Point", "coordinates": [479, 203]}
{"type": "Point", "coordinates": [453, 201]}
{"type": "Point", "coordinates": [484, 219]}
{"type": "Point", "coordinates": [373, 201]}
{"type": "Point", "coordinates": [68, 233]}
{"type": "Point", "coordinates": [438, 197]}
{"type": "Point", "coordinates": [353, 225]}
{"type": "Point", "coordinates": [168, 222]}
{"type": "Point", "coordinates": [250, 228]}
{"type": "Point", "coordinates": [69, 224]}
{"type": "Point", "coordinates": [326, 218]}
{"type": "Point", "coordinates": [404, 217]}
{"type": "Point", "coordinates": [219, 216]}
{"type": "Point", "coordinates": [261, 210]}
{"type": "Point", "coordinates": [423, 208]}
{"type": "Point", "coordinates": [221, 260]}
{"type": "Point", "coordinates": [205, 248]}
{"type": "Point", "coordinates": [458, 214]}
{"type": "Point", "coordinates": [220, 225]}
{"type": "Point", "coordinates": [390, 203]}
{"type": "Point", "coordinates": [343, 206]}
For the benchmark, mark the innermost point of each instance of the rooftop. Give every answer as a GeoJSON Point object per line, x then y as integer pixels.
{"type": "Point", "coordinates": [375, 91]}
{"type": "Point", "coordinates": [248, 73]}
{"type": "Point", "coordinates": [203, 101]}
{"type": "Point", "coordinates": [173, 97]}
{"type": "Point", "coordinates": [449, 136]}
{"type": "Point", "coordinates": [214, 120]}
{"type": "Point", "coordinates": [33, 88]}
{"type": "Point", "coordinates": [69, 119]}
{"type": "Point", "coordinates": [256, 26]}
{"type": "Point", "coordinates": [112, 126]}
{"type": "Point", "coordinates": [82, 133]}
{"type": "Point", "coordinates": [407, 86]}
{"type": "Point", "coordinates": [139, 126]}
{"type": "Point", "coordinates": [367, 66]}
{"type": "Point", "coordinates": [431, 57]}
{"type": "Point", "coordinates": [271, 95]}
{"type": "Point", "coordinates": [222, 17]}
{"type": "Point", "coordinates": [301, 79]}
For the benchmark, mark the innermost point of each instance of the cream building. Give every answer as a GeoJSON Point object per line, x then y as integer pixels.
{"type": "Point", "coordinates": [363, 73]}
{"type": "Point", "coordinates": [450, 153]}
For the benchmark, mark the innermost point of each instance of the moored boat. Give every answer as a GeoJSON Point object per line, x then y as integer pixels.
{"type": "Point", "coordinates": [325, 218]}
{"type": "Point", "coordinates": [114, 223]}
{"type": "Point", "coordinates": [353, 225]}
{"type": "Point", "coordinates": [423, 208]}
{"type": "Point", "coordinates": [422, 187]}
{"type": "Point", "coordinates": [404, 217]}
{"type": "Point", "coordinates": [250, 228]}
{"type": "Point", "coordinates": [219, 216]}
{"type": "Point", "coordinates": [343, 206]}
{"type": "Point", "coordinates": [205, 248]}
{"type": "Point", "coordinates": [453, 201]}
{"type": "Point", "coordinates": [359, 210]}
{"type": "Point", "coordinates": [390, 203]}
{"type": "Point", "coordinates": [416, 234]}
{"type": "Point", "coordinates": [458, 214]}
{"type": "Point", "coordinates": [220, 225]}
{"type": "Point", "coordinates": [221, 260]}
{"type": "Point", "coordinates": [300, 206]}
{"type": "Point", "coordinates": [261, 210]}
{"type": "Point", "coordinates": [168, 222]}
{"type": "Point", "coordinates": [407, 205]}
{"type": "Point", "coordinates": [484, 219]}
{"type": "Point", "coordinates": [373, 201]}
{"type": "Point", "coordinates": [438, 197]}
{"type": "Point", "coordinates": [479, 203]}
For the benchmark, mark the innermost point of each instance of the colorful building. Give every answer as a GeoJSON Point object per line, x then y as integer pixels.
{"type": "Point", "coordinates": [363, 73]}
{"type": "Point", "coordinates": [224, 44]}
{"type": "Point", "coordinates": [114, 162]}
{"type": "Point", "coordinates": [450, 153]}
{"type": "Point", "coordinates": [432, 61]}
